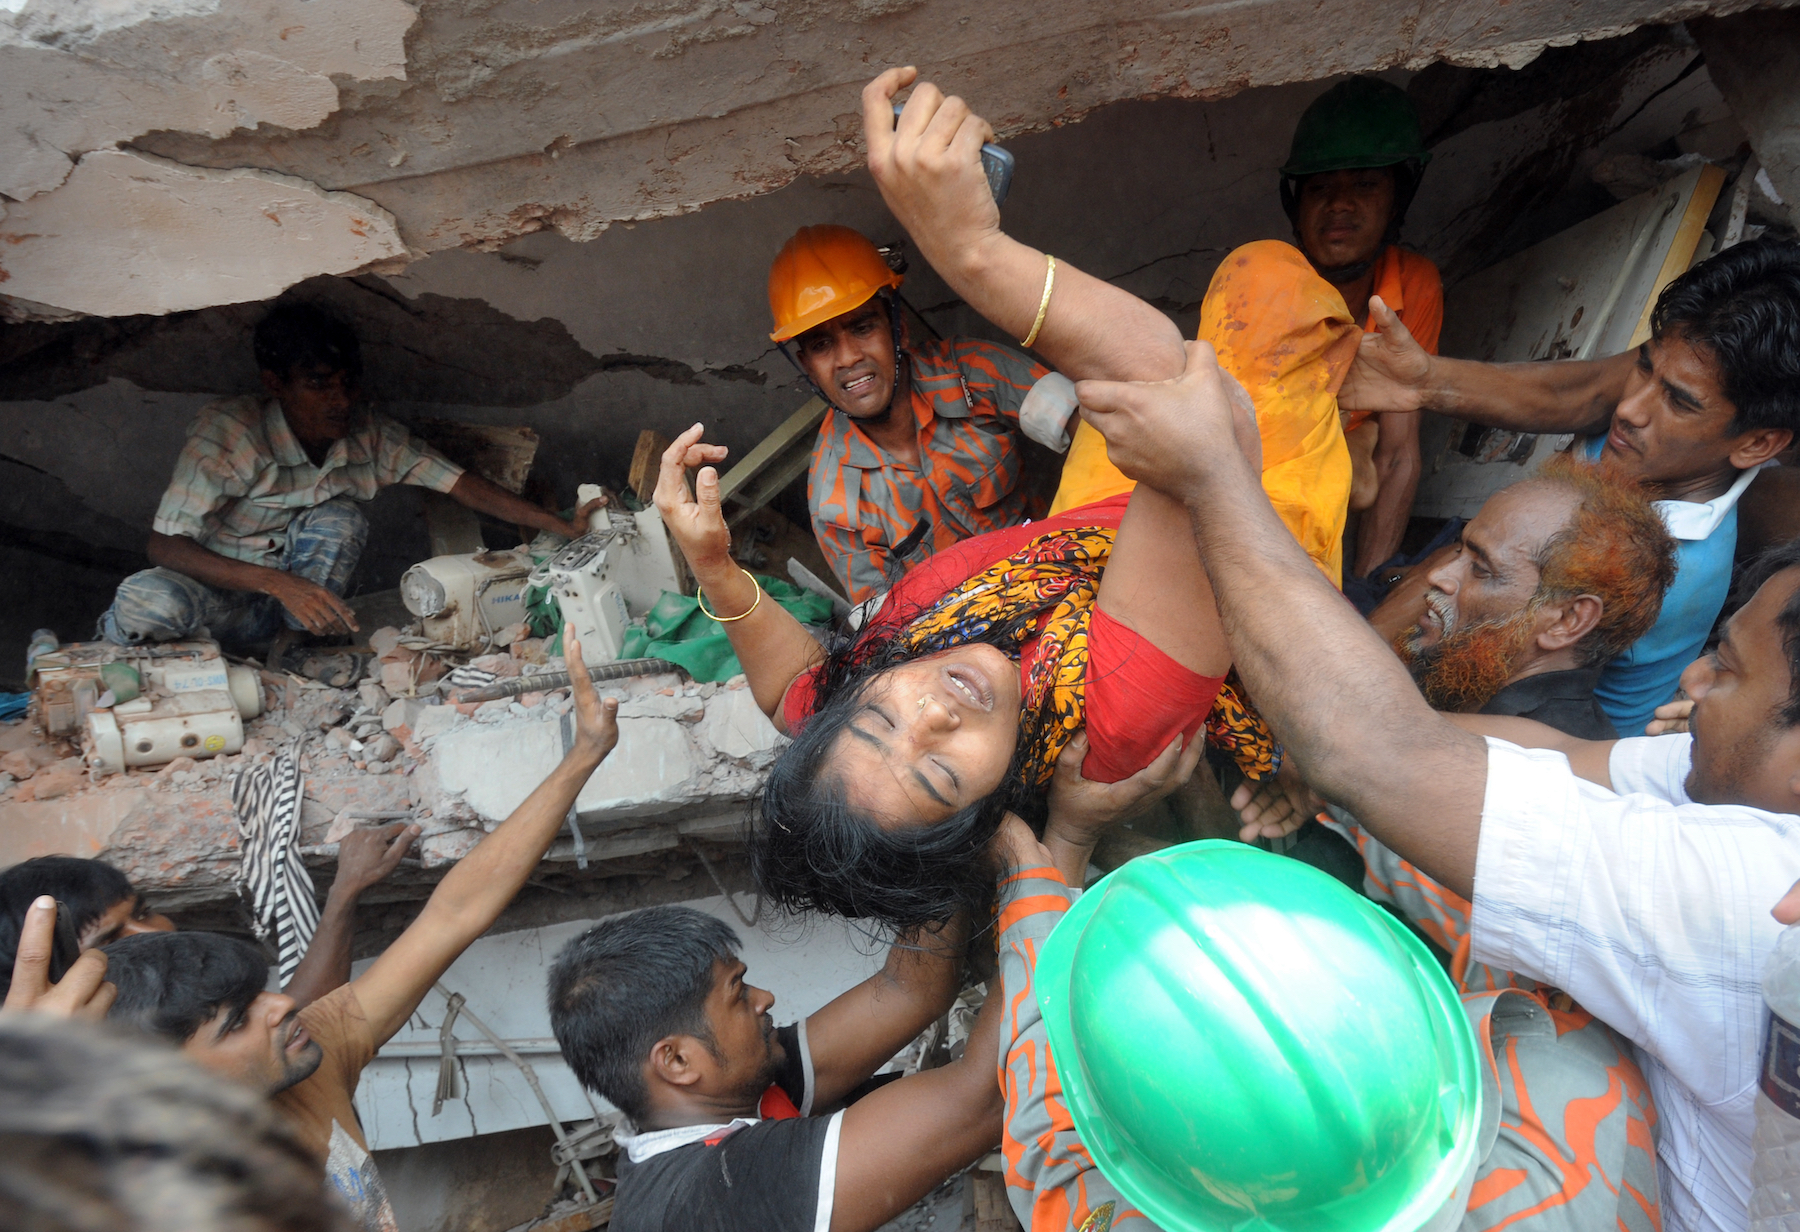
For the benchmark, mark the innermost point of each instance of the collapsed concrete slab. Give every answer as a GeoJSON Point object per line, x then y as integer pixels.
{"type": "Point", "coordinates": [688, 762]}
{"type": "Point", "coordinates": [131, 233]}
{"type": "Point", "coordinates": [82, 77]}
{"type": "Point", "coordinates": [476, 125]}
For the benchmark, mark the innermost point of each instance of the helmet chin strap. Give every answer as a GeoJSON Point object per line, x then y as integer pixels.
{"type": "Point", "coordinates": [1343, 275]}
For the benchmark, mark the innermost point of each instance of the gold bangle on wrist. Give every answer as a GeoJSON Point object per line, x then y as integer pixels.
{"type": "Point", "coordinates": [700, 598]}
{"type": "Point", "coordinates": [1044, 303]}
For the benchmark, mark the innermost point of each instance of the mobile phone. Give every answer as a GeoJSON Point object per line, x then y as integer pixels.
{"type": "Point", "coordinates": [996, 163]}
{"type": "Point", "coordinates": [65, 945]}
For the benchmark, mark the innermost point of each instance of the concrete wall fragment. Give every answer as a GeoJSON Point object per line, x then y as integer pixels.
{"type": "Point", "coordinates": [78, 75]}
{"type": "Point", "coordinates": [1755, 59]}
{"type": "Point", "coordinates": [522, 115]}
{"type": "Point", "coordinates": [131, 233]}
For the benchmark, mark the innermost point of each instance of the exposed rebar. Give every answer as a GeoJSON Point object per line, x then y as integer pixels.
{"type": "Point", "coordinates": [619, 670]}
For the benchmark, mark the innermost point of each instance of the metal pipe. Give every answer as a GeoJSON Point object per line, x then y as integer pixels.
{"type": "Point", "coordinates": [618, 670]}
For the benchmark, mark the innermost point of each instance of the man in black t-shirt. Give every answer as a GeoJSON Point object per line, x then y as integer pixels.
{"type": "Point", "coordinates": [740, 1124]}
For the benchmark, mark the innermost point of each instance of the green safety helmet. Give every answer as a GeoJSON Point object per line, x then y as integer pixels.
{"type": "Point", "coordinates": [1362, 122]}
{"type": "Point", "coordinates": [1244, 1043]}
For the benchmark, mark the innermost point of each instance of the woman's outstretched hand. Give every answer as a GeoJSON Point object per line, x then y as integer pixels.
{"type": "Point", "coordinates": [694, 518]}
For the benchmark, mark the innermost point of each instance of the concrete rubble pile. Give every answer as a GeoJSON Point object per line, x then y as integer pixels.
{"type": "Point", "coordinates": [397, 745]}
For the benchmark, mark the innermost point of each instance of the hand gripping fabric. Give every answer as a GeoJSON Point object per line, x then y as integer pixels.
{"type": "Point", "coordinates": [1244, 1043]}
{"type": "Point", "coordinates": [823, 272]}
{"type": "Point", "coordinates": [266, 802]}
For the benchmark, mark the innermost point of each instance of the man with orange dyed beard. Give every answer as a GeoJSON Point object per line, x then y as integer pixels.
{"type": "Point", "coordinates": [1553, 578]}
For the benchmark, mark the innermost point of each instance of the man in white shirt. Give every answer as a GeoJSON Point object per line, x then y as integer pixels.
{"type": "Point", "coordinates": [1637, 875]}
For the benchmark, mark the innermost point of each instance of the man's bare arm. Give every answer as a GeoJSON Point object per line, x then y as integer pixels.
{"type": "Point", "coordinates": [474, 893]}
{"type": "Point", "coordinates": [365, 857]}
{"type": "Point", "coordinates": [1591, 759]}
{"type": "Point", "coordinates": [312, 605]}
{"type": "Point", "coordinates": [900, 1141]}
{"type": "Point", "coordinates": [1393, 372]}
{"type": "Point", "coordinates": [928, 168]}
{"type": "Point", "coordinates": [1334, 693]}
{"type": "Point", "coordinates": [858, 1032]}
{"type": "Point", "coordinates": [484, 496]}
{"type": "Point", "coordinates": [1397, 467]}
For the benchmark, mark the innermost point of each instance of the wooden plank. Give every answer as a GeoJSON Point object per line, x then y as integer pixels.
{"type": "Point", "coordinates": [786, 468]}
{"type": "Point", "coordinates": [646, 461]}
{"type": "Point", "coordinates": [779, 446]}
{"type": "Point", "coordinates": [1681, 250]}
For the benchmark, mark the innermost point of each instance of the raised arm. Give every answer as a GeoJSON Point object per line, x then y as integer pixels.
{"type": "Point", "coordinates": [858, 1032]}
{"type": "Point", "coordinates": [365, 857]}
{"type": "Point", "coordinates": [928, 168]}
{"type": "Point", "coordinates": [900, 1141]}
{"type": "Point", "coordinates": [1328, 686]}
{"type": "Point", "coordinates": [773, 647]}
{"type": "Point", "coordinates": [1393, 372]}
{"type": "Point", "coordinates": [1591, 759]}
{"type": "Point", "coordinates": [474, 893]}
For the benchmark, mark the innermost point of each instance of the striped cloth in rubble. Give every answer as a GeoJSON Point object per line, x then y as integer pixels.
{"type": "Point", "coordinates": [266, 802]}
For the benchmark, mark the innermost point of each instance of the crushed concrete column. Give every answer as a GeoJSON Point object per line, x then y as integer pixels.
{"type": "Point", "coordinates": [1754, 58]}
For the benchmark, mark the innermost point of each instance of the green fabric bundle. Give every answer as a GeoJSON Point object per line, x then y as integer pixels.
{"type": "Point", "coordinates": [677, 630]}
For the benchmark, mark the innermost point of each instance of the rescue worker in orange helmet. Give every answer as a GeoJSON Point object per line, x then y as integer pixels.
{"type": "Point", "coordinates": [921, 448]}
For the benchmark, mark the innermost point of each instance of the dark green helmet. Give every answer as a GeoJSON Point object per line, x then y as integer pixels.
{"type": "Point", "coordinates": [1362, 122]}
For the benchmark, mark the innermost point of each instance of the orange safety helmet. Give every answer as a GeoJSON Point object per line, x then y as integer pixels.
{"type": "Point", "coordinates": [823, 272]}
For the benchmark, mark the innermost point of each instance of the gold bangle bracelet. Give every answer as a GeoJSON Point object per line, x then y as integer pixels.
{"type": "Point", "coordinates": [700, 598]}
{"type": "Point", "coordinates": [1044, 303]}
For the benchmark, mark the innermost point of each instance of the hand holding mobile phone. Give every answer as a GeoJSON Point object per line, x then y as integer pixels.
{"type": "Point", "coordinates": [996, 164]}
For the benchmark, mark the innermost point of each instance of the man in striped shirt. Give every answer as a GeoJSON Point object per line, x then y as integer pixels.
{"type": "Point", "coordinates": [259, 530]}
{"type": "Point", "coordinates": [921, 449]}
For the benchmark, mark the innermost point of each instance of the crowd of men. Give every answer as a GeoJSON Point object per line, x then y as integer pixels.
{"type": "Point", "coordinates": [1573, 792]}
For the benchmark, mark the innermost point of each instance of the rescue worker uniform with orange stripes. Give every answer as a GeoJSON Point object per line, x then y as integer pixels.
{"type": "Point", "coordinates": [1566, 1142]}
{"type": "Point", "coordinates": [964, 394]}
{"type": "Point", "coordinates": [921, 448]}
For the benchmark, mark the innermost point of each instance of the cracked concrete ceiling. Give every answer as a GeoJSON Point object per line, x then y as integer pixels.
{"type": "Point", "coordinates": [361, 134]}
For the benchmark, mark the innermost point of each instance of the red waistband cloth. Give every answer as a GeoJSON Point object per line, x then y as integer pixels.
{"type": "Point", "coordinates": [1138, 698]}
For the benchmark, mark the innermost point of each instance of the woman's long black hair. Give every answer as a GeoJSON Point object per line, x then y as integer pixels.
{"type": "Point", "coordinates": [812, 850]}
